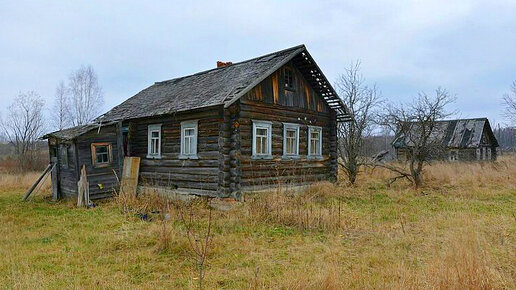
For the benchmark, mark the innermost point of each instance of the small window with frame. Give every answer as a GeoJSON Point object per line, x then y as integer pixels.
{"type": "Point", "coordinates": [454, 155]}
{"type": "Point", "coordinates": [314, 141]}
{"type": "Point", "coordinates": [289, 79]}
{"type": "Point", "coordinates": [101, 154]}
{"type": "Point", "coordinates": [290, 140]}
{"type": "Point", "coordinates": [154, 141]}
{"type": "Point", "coordinates": [189, 133]}
{"type": "Point", "coordinates": [262, 139]}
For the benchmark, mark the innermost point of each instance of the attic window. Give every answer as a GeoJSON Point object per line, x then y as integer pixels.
{"type": "Point", "coordinates": [289, 79]}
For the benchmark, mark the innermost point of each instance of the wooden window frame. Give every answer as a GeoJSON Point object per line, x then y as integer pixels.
{"type": "Point", "coordinates": [454, 155]}
{"type": "Point", "coordinates": [188, 125]}
{"type": "Point", "coordinates": [150, 129]}
{"type": "Point", "coordinates": [309, 137]}
{"type": "Point", "coordinates": [259, 124]}
{"type": "Point", "coordinates": [94, 154]}
{"type": "Point", "coordinates": [292, 86]}
{"type": "Point", "coordinates": [290, 127]}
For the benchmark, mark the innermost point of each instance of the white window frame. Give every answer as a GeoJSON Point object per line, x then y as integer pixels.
{"type": "Point", "coordinates": [287, 127]}
{"type": "Point", "coordinates": [150, 129]}
{"type": "Point", "coordinates": [257, 124]}
{"type": "Point", "coordinates": [186, 125]}
{"type": "Point", "coordinates": [310, 130]}
{"type": "Point", "coordinates": [454, 155]}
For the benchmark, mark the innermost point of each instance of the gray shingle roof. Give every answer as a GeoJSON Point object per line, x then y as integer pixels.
{"type": "Point", "coordinates": [460, 133]}
{"type": "Point", "coordinates": [74, 132]}
{"type": "Point", "coordinates": [219, 86]}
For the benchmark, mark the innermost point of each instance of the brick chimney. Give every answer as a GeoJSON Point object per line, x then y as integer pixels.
{"type": "Point", "coordinates": [222, 64]}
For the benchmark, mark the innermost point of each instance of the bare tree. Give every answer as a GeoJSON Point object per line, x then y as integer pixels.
{"type": "Point", "coordinates": [60, 114]}
{"type": "Point", "coordinates": [362, 102]}
{"type": "Point", "coordinates": [23, 125]}
{"type": "Point", "coordinates": [416, 126]}
{"type": "Point", "coordinates": [510, 103]}
{"type": "Point", "coordinates": [86, 95]}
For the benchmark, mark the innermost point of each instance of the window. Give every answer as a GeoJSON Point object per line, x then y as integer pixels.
{"type": "Point", "coordinates": [101, 154]}
{"type": "Point", "coordinates": [189, 131]}
{"type": "Point", "coordinates": [290, 140]}
{"type": "Point", "coordinates": [289, 79]}
{"type": "Point", "coordinates": [64, 156]}
{"type": "Point", "coordinates": [154, 141]}
{"type": "Point", "coordinates": [262, 147]}
{"type": "Point", "coordinates": [454, 155]}
{"type": "Point", "coordinates": [314, 141]}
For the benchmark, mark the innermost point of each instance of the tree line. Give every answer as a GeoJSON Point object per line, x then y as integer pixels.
{"type": "Point", "coordinates": [76, 102]}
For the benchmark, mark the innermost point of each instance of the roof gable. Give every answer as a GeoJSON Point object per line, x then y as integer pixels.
{"type": "Point", "coordinates": [221, 86]}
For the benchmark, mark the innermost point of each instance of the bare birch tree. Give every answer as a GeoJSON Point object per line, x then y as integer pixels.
{"type": "Point", "coordinates": [86, 95]}
{"type": "Point", "coordinates": [362, 102]}
{"type": "Point", "coordinates": [60, 114]}
{"type": "Point", "coordinates": [23, 125]}
{"type": "Point", "coordinates": [416, 126]}
{"type": "Point", "coordinates": [510, 103]}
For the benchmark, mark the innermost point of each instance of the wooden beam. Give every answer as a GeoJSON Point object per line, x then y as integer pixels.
{"type": "Point", "coordinates": [49, 167]}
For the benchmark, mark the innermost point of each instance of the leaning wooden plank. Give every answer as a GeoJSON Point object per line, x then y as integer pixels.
{"type": "Point", "coordinates": [49, 167]}
{"type": "Point", "coordinates": [131, 171]}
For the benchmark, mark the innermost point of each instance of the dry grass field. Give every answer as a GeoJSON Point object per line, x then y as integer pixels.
{"type": "Point", "coordinates": [458, 232]}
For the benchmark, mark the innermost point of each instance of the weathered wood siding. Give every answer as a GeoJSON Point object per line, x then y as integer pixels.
{"type": "Point", "coordinates": [200, 176]}
{"type": "Point", "coordinates": [67, 170]}
{"type": "Point", "coordinates": [102, 180]}
{"type": "Point", "coordinates": [270, 101]}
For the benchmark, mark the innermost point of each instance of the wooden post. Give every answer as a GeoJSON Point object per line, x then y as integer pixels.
{"type": "Point", "coordinates": [333, 148]}
{"type": "Point", "coordinates": [120, 146]}
{"type": "Point", "coordinates": [83, 189]}
{"type": "Point", "coordinates": [56, 192]}
{"type": "Point", "coordinates": [224, 147]}
{"type": "Point", "coordinates": [235, 169]}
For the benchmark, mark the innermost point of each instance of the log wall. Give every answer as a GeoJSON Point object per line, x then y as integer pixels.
{"type": "Point", "coordinates": [199, 176]}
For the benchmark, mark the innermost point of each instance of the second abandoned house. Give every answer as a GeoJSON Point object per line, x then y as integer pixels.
{"type": "Point", "coordinates": [238, 127]}
{"type": "Point", "coordinates": [462, 139]}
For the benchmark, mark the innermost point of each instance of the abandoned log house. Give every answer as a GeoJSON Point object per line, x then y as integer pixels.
{"type": "Point", "coordinates": [461, 140]}
{"type": "Point", "coordinates": [238, 127]}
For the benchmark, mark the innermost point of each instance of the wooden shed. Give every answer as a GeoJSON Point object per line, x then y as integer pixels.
{"type": "Point", "coordinates": [461, 139]}
{"type": "Point", "coordinates": [263, 122]}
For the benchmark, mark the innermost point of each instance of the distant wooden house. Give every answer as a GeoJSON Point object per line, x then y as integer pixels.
{"type": "Point", "coordinates": [244, 126]}
{"type": "Point", "coordinates": [462, 139]}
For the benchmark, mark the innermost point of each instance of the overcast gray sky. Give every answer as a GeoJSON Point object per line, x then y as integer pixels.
{"type": "Point", "coordinates": [467, 47]}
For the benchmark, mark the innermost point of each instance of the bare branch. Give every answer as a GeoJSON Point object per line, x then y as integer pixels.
{"type": "Point", "coordinates": [416, 125]}
{"type": "Point", "coordinates": [23, 125]}
{"type": "Point", "coordinates": [510, 103]}
{"type": "Point", "coordinates": [362, 102]}
{"type": "Point", "coordinates": [86, 95]}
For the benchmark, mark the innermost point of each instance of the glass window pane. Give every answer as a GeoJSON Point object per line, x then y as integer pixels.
{"type": "Point", "coordinates": [189, 132]}
{"type": "Point", "coordinates": [155, 134]}
{"type": "Point", "coordinates": [261, 132]}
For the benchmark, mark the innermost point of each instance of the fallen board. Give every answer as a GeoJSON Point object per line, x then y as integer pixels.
{"type": "Point", "coordinates": [130, 173]}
